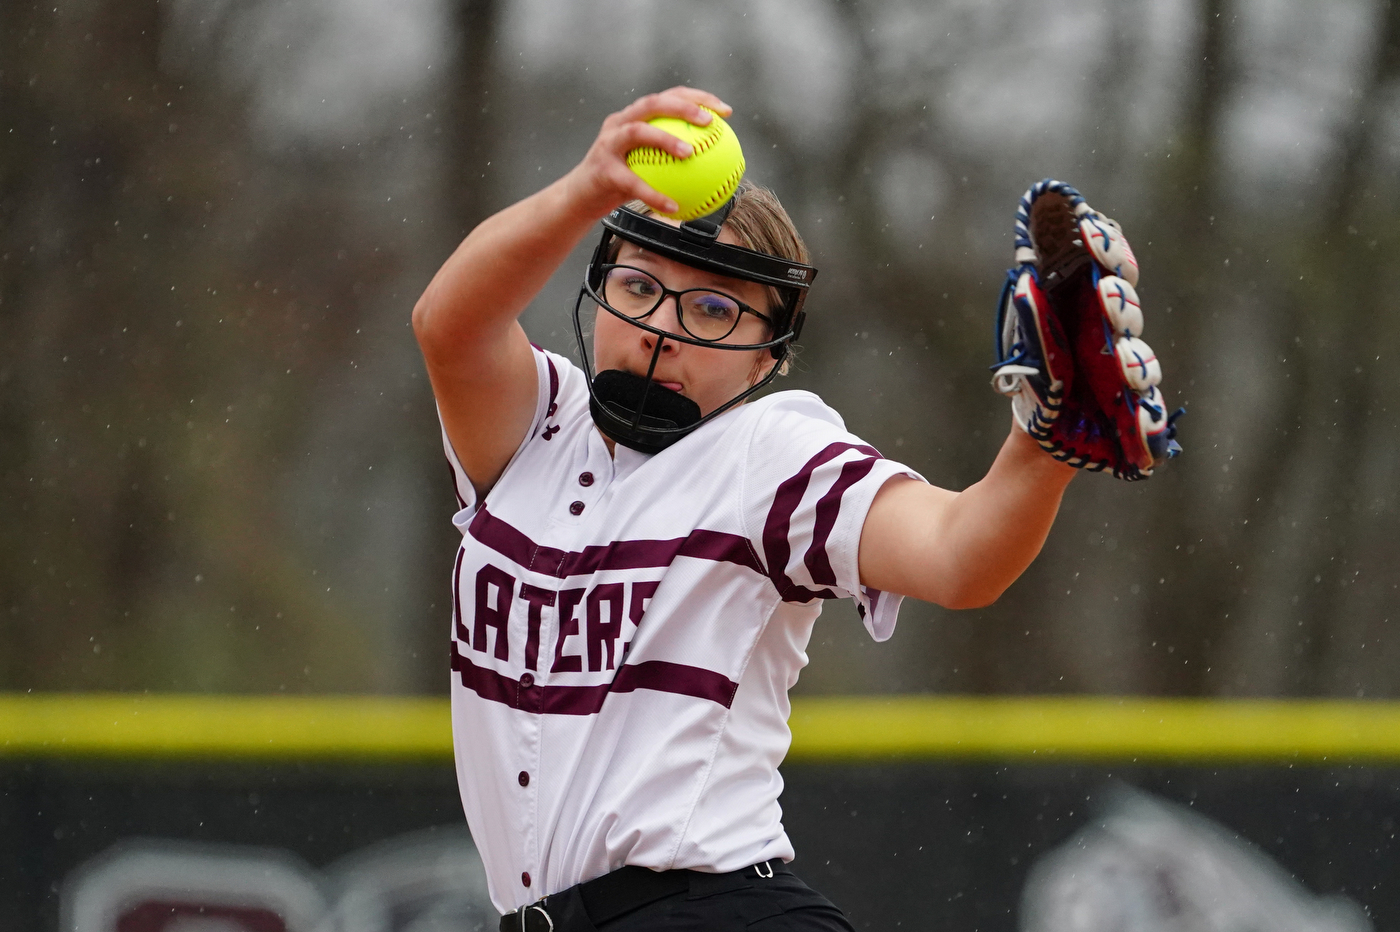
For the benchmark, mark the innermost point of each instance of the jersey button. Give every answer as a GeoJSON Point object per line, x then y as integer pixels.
{"type": "Point", "coordinates": [585, 479]}
{"type": "Point", "coordinates": [576, 508]}
{"type": "Point", "coordinates": [527, 680]}
{"type": "Point", "coordinates": [524, 778]}
{"type": "Point", "coordinates": [525, 878]}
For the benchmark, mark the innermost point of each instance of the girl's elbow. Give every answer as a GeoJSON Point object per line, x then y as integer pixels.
{"type": "Point", "coordinates": [428, 328]}
{"type": "Point", "coordinates": [422, 318]}
{"type": "Point", "coordinates": [967, 597]}
{"type": "Point", "coordinates": [959, 605]}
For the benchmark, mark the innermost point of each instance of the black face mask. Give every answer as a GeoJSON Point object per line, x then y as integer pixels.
{"type": "Point", "coordinates": [635, 411]}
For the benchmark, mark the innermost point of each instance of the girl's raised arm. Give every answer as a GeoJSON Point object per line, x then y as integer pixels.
{"type": "Point", "coordinates": [478, 358]}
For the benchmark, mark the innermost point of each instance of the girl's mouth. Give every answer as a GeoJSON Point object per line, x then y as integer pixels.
{"type": "Point", "coordinates": [673, 386]}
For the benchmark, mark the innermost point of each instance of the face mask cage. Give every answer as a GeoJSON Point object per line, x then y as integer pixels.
{"type": "Point", "coordinates": [619, 401]}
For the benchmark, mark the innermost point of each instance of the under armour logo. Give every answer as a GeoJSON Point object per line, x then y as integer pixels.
{"type": "Point", "coordinates": [550, 431]}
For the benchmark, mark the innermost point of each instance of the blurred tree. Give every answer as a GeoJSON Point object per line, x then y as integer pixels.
{"type": "Point", "coordinates": [153, 358]}
{"type": "Point", "coordinates": [1201, 567]}
{"type": "Point", "coordinates": [219, 467]}
{"type": "Point", "coordinates": [1349, 331]}
{"type": "Point", "coordinates": [471, 99]}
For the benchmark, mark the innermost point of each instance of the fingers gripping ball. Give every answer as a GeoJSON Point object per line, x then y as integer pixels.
{"type": "Point", "coordinates": [701, 183]}
{"type": "Point", "coordinates": [1082, 382]}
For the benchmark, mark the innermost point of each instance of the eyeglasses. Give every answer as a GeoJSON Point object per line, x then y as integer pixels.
{"type": "Point", "coordinates": [704, 314]}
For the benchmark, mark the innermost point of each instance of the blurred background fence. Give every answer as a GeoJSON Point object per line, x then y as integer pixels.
{"type": "Point", "coordinates": [124, 813]}
{"type": "Point", "coordinates": [219, 464]}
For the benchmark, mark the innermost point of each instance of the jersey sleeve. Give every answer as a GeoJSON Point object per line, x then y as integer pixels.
{"type": "Point", "coordinates": [546, 398]}
{"type": "Point", "coordinates": [806, 491]}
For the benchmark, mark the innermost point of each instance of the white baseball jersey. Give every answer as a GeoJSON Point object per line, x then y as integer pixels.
{"type": "Point", "coordinates": [625, 631]}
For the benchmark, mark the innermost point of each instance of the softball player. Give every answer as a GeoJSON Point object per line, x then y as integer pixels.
{"type": "Point", "coordinates": [644, 553]}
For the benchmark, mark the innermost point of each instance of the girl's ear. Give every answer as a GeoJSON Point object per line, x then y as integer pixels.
{"type": "Point", "coordinates": [762, 362]}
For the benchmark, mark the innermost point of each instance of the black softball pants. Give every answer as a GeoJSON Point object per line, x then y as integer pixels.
{"type": "Point", "coordinates": [766, 897]}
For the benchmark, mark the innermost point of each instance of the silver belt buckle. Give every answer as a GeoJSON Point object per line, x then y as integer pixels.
{"type": "Point", "coordinates": [527, 926]}
{"type": "Point", "coordinates": [762, 866]}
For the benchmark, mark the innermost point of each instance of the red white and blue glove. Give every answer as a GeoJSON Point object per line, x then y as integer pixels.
{"type": "Point", "coordinates": [1082, 382]}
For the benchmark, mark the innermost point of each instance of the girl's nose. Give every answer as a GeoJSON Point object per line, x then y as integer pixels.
{"type": "Point", "coordinates": [663, 318]}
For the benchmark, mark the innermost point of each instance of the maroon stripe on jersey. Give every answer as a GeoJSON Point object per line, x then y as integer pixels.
{"type": "Point", "coordinates": [722, 548]}
{"type": "Point", "coordinates": [458, 627]}
{"type": "Point", "coordinates": [488, 684]}
{"type": "Point", "coordinates": [621, 555]}
{"type": "Point", "coordinates": [651, 554]}
{"type": "Point", "coordinates": [553, 387]}
{"type": "Point", "coordinates": [701, 544]}
{"type": "Point", "coordinates": [515, 546]}
{"type": "Point", "coordinates": [777, 549]}
{"type": "Point", "coordinates": [828, 507]}
{"type": "Point", "coordinates": [667, 677]}
{"type": "Point", "coordinates": [565, 700]}
{"type": "Point", "coordinates": [657, 675]}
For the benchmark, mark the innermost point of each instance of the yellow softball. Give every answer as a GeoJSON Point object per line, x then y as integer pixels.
{"type": "Point", "coordinates": [699, 184]}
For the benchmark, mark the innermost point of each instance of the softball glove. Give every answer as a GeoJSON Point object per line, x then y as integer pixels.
{"type": "Point", "coordinates": [1069, 351]}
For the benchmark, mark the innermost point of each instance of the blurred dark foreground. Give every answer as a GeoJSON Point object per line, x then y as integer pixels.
{"type": "Point", "coordinates": [915, 846]}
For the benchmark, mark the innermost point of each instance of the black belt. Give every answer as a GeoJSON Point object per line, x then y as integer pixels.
{"type": "Point", "coordinates": [605, 898]}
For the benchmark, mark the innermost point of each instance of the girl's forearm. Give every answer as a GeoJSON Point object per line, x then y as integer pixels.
{"type": "Point", "coordinates": [993, 529]}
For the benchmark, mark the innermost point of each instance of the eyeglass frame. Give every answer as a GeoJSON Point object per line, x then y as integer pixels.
{"type": "Point", "coordinates": [597, 294]}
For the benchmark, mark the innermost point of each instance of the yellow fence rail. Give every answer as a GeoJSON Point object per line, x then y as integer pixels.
{"type": "Point", "coordinates": [835, 728]}
{"type": "Point", "coordinates": [1108, 728]}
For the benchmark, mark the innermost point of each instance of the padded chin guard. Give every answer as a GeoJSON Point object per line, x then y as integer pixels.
{"type": "Point", "coordinates": [638, 413]}
{"type": "Point", "coordinates": [1081, 382]}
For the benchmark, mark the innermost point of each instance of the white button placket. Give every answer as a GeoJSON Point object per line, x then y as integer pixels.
{"type": "Point", "coordinates": [584, 486]}
{"type": "Point", "coordinates": [527, 781]}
